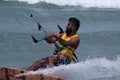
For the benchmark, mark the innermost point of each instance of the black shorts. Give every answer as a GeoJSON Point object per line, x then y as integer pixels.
{"type": "Point", "coordinates": [61, 59]}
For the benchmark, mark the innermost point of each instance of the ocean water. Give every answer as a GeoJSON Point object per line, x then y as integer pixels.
{"type": "Point", "coordinates": [99, 49]}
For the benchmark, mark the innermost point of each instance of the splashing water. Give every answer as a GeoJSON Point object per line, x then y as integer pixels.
{"type": "Point", "coordinates": [85, 70]}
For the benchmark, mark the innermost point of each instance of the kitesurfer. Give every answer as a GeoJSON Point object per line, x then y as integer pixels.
{"type": "Point", "coordinates": [67, 43]}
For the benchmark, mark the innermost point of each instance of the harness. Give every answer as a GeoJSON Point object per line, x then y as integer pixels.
{"type": "Point", "coordinates": [66, 50]}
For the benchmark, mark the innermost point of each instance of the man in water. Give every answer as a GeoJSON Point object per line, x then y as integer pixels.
{"type": "Point", "coordinates": [68, 43]}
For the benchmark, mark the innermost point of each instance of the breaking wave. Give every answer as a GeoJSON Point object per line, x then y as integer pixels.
{"type": "Point", "coordinates": [81, 3]}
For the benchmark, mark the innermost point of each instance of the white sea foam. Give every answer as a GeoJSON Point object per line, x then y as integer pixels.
{"type": "Point", "coordinates": [83, 3]}
{"type": "Point", "coordinates": [85, 70]}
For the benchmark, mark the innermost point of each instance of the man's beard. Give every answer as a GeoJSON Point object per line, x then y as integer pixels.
{"type": "Point", "coordinates": [68, 31]}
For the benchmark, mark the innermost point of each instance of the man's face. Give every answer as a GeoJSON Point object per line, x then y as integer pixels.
{"type": "Point", "coordinates": [69, 28]}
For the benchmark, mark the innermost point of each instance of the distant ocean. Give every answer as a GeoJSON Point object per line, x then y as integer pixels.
{"type": "Point", "coordinates": [99, 49]}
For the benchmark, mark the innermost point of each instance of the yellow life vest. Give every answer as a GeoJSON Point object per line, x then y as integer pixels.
{"type": "Point", "coordinates": [68, 50]}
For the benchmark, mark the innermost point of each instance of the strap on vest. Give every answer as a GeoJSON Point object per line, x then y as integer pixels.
{"type": "Point", "coordinates": [75, 59]}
